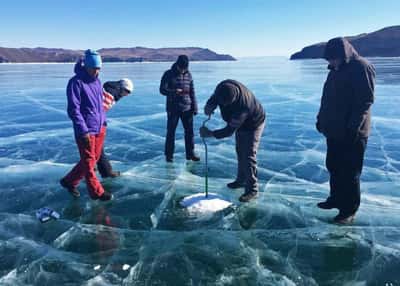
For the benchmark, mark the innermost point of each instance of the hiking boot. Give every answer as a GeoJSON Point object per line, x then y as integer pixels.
{"type": "Point", "coordinates": [235, 185]}
{"type": "Point", "coordinates": [327, 205]}
{"type": "Point", "coordinates": [106, 196]}
{"type": "Point", "coordinates": [246, 197]}
{"type": "Point", "coordinates": [71, 189]}
{"type": "Point", "coordinates": [169, 159]}
{"type": "Point", "coordinates": [112, 174]}
{"type": "Point", "coordinates": [344, 218]}
{"type": "Point", "coordinates": [193, 158]}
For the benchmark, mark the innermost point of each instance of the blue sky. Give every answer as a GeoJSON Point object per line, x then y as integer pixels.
{"type": "Point", "coordinates": [239, 28]}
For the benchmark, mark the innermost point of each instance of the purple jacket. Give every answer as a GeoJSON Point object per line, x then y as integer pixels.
{"type": "Point", "coordinates": [85, 102]}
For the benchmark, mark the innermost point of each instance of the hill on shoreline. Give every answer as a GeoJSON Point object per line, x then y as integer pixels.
{"type": "Point", "coordinates": [136, 54]}
{"type": "Point", "coordinates": [381, 43]}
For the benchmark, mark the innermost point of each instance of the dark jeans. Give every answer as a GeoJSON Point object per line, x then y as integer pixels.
{"type": "Point", "coordinates": [344, 161]}
{"type": "Point", "coordinates": [247, 143]}
{"type": "Point", "coordinates": [187, 122]}
{"type": "Point", "coordinates": [103, 165]}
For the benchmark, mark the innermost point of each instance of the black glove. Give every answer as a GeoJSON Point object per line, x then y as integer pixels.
{"type": "Point", "coordinates": [208, 110]}
{"type": "Point", "coordinates": [318, 126]}
{"type": "Point", "coordinates": [205, 132]}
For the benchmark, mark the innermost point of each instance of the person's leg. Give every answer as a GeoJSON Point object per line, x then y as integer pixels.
{"type": "Point", "coordinates": [172, 122]}
{"type": "Point", "coordinates": [72, 179]}
{"type": "Point", "coordinates": [240, 155]}
{"type": "Point", "coordinates": [251, 141]}
{"type": "Point", "coordinates": [104, 165]}
{"type": "Point", "coordinates": [334, 156]}
{"type": "Point", "coordinates": [352, 168]}
{"type": "Point", "coordinates": [187, 122]}
{"type": "Point", "coordinates": [92, 154]}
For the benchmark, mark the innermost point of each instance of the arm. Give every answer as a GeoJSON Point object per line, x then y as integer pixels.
{"type": "Point", "coordinates": [193, 98]}
{"type": "Point", "coordinates": [211, 105]}
{"type": "Point", "coordinates": [364, 84]}
{"type": "Point", "coordinates": [164, 85]}
{"type": "Point", "coordinates": [236, 121]}
{"type": "Point", "coordinates": [74, 112]}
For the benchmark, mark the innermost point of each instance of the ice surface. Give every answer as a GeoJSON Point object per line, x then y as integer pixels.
{"type": "Point", "coordinates": [144, 236]}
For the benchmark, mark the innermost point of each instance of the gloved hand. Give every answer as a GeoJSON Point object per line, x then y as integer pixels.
{"type": "Point", "coordinates": [208, 110]}
{"type": "Point", "coordinates": [86, 140]}
{"type": "Point", "coordinates": [205, 132]}
{"type": "Point", "coordinates": [352, 136]}
{"type": "Point", "coordinates": [318, 126]}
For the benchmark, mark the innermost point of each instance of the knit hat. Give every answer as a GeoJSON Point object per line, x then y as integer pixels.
{"type": "Point", "coordinates": [182, 61]}
{"type": "Point", "coordinates": [126, 84]}
{"type": "Point", "coordinates": [92, 59]}
{"type": "Point", "coordinates": [226, 92]}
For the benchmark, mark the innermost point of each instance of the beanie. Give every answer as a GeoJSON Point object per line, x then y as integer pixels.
{"type": "Point", "coordinates": [92, 59]}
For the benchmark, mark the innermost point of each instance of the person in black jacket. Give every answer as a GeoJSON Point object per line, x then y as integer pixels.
{"type": "Point", "coordinates": [177, 85]}
{"type": "Point", "coordinates": [113, 91]}
{"type": "Point", "coordinates": [344, 118]}
{"type": "Point", "coordinates": [245, 116]}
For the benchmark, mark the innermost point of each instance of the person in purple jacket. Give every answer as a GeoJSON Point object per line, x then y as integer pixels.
{"type": "Point", "coordinates": [85, 109]}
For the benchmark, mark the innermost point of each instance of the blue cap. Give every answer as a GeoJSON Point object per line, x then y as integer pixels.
{"type": "Point", "coordinates": [92, 59]}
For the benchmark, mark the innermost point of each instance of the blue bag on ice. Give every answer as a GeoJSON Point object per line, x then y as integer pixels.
{"type": "Point", "coordinates": [45, 214]}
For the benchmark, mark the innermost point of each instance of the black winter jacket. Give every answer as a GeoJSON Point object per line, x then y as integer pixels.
{"type": "Point", "coordinates": [347, 95]}
{"type": "Point", "coordinates": [172, 80]}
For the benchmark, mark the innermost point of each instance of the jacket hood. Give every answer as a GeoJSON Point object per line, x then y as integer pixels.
{"type": "Point", "coordinates": [339, 48]}
{"type": "Point", "coordinates": [80, 71]}
{"type": "Point", "coordinates": [227, 92]}
{"type": "Point", "coordinates": [174, 68]}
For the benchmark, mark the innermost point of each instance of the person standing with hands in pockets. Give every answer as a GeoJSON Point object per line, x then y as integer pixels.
{"type": "Point", "coordinates": [177, 85]}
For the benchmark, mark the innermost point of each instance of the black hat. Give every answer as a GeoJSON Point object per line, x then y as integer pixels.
{"type": "Point", "coordinates": [182, 62]}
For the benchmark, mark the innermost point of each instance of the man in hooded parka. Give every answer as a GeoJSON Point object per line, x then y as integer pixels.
{"type": "Point", "coordinates": [344, 118]}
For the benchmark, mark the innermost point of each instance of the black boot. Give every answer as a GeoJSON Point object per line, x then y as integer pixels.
{"type": "Point", "coordinates": [327, 205]}
{"type": "Point", "coordinates": [112, 174]}
{"type": "Point", "coordinates": [246, 197]}
{"type": "Point", "coordinates": [193, 158]}
{"type": "Point", "coordinates": [71, 189]}
{"type": "Point", "coordinates": [235, 185]}
{"type": "Point", "coordinates": [106, 196]}
{"type": "Point", "coordinates": [344, 218]}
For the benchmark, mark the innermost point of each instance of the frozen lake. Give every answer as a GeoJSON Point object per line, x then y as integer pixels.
{"type": "Point", "coordinates": [144, 237]}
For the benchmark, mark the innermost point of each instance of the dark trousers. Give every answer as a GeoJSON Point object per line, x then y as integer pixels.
{"type": "Point", "coordinates": [103, 165]}
{"type": "Point", "coordinates": [247, 143]}
{"type": "Point", "coordinates": [187, 122]}
{"type": "Point", "coordinates": [344, 161]}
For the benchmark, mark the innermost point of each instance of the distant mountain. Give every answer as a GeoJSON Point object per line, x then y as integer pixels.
{"type": "Point", "coordinates": [382, 43]}
{"type": "Point", "coordinates": [137, 54]}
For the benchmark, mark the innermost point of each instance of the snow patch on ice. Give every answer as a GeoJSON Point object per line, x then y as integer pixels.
{"type": "Point", "coordinates": [199, 203]}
